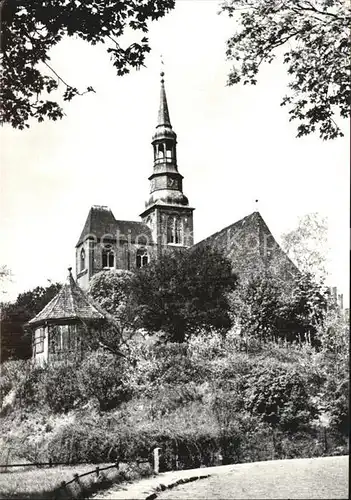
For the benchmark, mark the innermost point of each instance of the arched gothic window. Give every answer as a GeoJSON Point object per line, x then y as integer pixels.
{"type": "Point", "coordinates": [169, 150]}
{"type": "Point", "coordinates": [170, 230]}
{"type": "Point", "coordinates": [174, 230]}
{"type": "Point", "coordinates": [141, 258]}
{"type": "Point", "coordinates": [177, 230]}
{"type": "Point", "coordinates": [161, 151]}
{"type": "Point", "coordinates": [108, 257]}
{"type": "Point", "coordinates": [82, 259]}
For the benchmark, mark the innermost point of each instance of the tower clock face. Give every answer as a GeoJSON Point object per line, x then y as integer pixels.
{"type": "Point", "coordinates": [172, 183]}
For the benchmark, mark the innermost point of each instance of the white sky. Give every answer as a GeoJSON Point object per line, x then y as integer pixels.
{"type": "Point", "coordinates": [235, 144]}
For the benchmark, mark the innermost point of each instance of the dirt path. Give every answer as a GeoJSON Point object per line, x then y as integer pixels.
{"type": "Point", "coordinates": [317, 478]}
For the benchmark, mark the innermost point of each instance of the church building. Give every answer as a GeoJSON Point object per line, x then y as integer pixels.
{"type": "Point", "coordinates": [167, 221]}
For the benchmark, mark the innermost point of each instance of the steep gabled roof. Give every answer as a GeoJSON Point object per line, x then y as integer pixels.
{"type": "Point", "coordinates": [101, 222]}
{"type": "Point", "coordinates": [71, 303]}
{"type": "Point", "coordinates": [251, 220]}
{"type": "Point", "coordinates": [251, 247]}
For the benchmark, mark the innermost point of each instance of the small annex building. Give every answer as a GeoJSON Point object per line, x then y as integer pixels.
{"type": "Point", "coordinates": [60, 331]}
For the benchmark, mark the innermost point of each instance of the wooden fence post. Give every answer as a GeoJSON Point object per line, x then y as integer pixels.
{"type": "Point", "coordinates": [63, 487]}
{"type": "Point", "coordinates": [156, 460]}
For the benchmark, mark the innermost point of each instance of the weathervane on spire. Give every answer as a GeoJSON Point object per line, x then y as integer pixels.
{"type": "Point", "coordinates": [162, 74]}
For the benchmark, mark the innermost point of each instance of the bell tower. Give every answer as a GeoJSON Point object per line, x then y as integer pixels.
{"type": "Point", "coordinates": [167, 210]}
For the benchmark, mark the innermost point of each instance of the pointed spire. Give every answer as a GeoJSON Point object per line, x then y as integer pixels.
{"type": "Point", "coordinates": [163, 113]}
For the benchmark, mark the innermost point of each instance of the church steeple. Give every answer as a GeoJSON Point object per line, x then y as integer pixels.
{"type": "Point", "coordinates": [167, 210]}
{"type": "Point", "coordinates": [163, 113]}
{"type": "Point", "coordinates": [166, 181]}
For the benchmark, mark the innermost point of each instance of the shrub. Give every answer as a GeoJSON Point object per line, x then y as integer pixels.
{"type": "Point", "coordinates": [60, 387]}
{"type": "Point", "coordinates": [279, 396]}
{"type": "Point", "coordinates": [29, 391]}
{"type": "Point", "coordinates": [12, 375]}
{"type": "Point", "coordinates": [338, 405]}
{"type": "Point", "coordinates": [82, 442]}
{"type": "Point", "coordinates": [103, 378]}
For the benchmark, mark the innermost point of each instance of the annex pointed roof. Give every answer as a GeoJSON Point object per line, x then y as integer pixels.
{"type": "Point", "coordinates": [71, 303]}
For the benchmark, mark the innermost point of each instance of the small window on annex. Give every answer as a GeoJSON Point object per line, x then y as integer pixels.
{"type": "Point", "coordinates": [39, 340]}
{"type": "Point", "coordinates": [82, 259]}
{"type": "Point", "coordinates": [108, 257]}
{"type": "Point", "coordinates": [141, 258]}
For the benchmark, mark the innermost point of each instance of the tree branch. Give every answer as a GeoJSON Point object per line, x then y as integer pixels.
{"type": "Point", "coordinates": [58, 76]}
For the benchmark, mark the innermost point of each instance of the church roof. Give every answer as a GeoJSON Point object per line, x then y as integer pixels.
{"type": "Point", "coordinates": [71, 303]}
{"type": "Point", "coordinates": [101, 222]}
{"type": "Point", "coordinates": [249, 220]}
{"type": "Point", "coordinates": [251, 247]}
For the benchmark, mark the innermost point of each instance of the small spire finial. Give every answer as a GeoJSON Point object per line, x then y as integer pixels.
{"type": "Point", "coordinates": [70, 270]}
{"type": "Point", "coordinates": [162, 73]}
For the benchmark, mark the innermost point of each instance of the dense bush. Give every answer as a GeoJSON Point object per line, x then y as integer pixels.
{"type": "Point", "coordinates": [198, 401]}
{"type": "Point", "coordinates": [29, 389]}
{"type": "Point", "coordinates": [103, 378]}
{"type": "Point", "coordinates": [81, 442]}
{"type": "Point", "coordinates": [279, 396]}
{"type": "Point", "coordinates": [60, 387]}
{"type": "Point", "coordinates": [12, 374]}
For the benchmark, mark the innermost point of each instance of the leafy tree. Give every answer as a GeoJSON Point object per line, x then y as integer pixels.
{"type": "Point", "coordinates": [263, 309]}
{"type": "Point", "coordinates": [181, 292]}
{"type": "Point", "coordinates": [256, 307]}
{"type": "Point", "coordinates": [30, 30]}
{"type": "Point", "coordinates": [334, 366]}
{"type": "Point", "coordinates": [5, 275]}
{"type": "Point", "coordinates": [14, 341]}
{"type": "Point", "coordinates": [315, 38]}
{"type": "Point", "coordinates": [307, 244]}
{"type": "Point", "coordinates": [35, 300]}
{"type": "Point", "coordinates": [112, 290]}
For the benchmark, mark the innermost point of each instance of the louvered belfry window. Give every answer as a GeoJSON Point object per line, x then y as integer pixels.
{"type": "Point", "coordinates": [174, 230]}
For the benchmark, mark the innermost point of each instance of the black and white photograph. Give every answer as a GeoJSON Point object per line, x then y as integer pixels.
{"type": "Point", "coordinates": [174, 257]}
